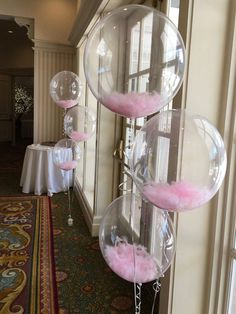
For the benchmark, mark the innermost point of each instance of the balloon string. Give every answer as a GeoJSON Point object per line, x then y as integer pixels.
{"type": "Point", "coordinates": [132, 204]}
{"type": "Point", "coordinates": [137, 286]}
{"type": "Point", "coordinates": [63, 126]}
{"type": "Point", "coordinates": [73, 189]}
{"type": "Point", "coordinates": [137, 292]}
{"type": "Point", "coordinates": [132, 129]}
{"type": "Point", "coordinates": [132, 231]}
{"type": "Point", "coordinates": [156, 287]}
{"type": "Point", "coordinates": [73, 186]}
{"type": "Point", "coordinates": [70, 219]}
{"type": "Point", "coordinates": [69, 197]}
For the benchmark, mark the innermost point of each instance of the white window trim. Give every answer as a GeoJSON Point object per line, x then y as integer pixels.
{"type": "Point", "coordinates": [226, 220]}
{"type": "Point", "coordinates": [211, 290]}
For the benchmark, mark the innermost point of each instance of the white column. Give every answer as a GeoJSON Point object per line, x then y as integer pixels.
{"type": "Point", "coordinates": [49, 59]}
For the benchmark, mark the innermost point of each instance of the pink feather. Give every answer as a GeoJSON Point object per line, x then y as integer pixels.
{"type": "Point", "coordinates": [79, 136]}
{"type": "Point", "coordinates": [133, 105]}
{"type": "Point", "coordinates": [66, 103]}
{"type": "Point", "coordinates": [177, 196]}
{"type": "Point", "coordinates": [121, 260]}
{"type": "Point", "coordinates": [69, 165]}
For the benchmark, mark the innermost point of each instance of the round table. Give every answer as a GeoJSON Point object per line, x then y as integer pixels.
{"type": "Point", "coordinates": [39, 173]}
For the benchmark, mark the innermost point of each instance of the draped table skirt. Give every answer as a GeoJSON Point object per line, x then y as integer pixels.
{"type": "Point", "coordinates": [39, 173]}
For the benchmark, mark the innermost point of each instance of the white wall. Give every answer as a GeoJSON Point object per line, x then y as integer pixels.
{"type": "Point", "coordinates": [195, 279]}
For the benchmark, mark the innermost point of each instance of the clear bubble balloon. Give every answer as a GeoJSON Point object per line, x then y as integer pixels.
{"type": "Point", "coordinates": [178, 160]}
{"type": "Point", "coordinates": [79, 123]}
{"type": "Point", "coordinates": [137, 240]}
{"type": "Point", "coordinates": [134, 61]}
{"type": "Point", "coordinates": [65, 89]}
{"type": "Point", "coordinates": [66, 154]}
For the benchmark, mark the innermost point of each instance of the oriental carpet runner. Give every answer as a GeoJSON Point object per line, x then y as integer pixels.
{"type": "Point", "coordinates": [27, 273]}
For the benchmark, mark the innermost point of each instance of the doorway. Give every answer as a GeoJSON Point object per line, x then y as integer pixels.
{"type": "Point", "coordinates": [16, 80]}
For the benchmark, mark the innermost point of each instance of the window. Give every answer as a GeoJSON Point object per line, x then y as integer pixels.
{"type": "Point", "coordinates": [140, 34]}
{"type": "Point", "coordinates": [232, 296]}
{"type": "Point", "coordinates": [210, 75]}
{"type": "Point", "coordinates": [85, 173]}
{"type": "Point", "coordinates": [142, 38]}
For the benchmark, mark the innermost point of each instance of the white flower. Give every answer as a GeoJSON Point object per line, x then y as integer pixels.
{"type": "Point", "coordinates": [23, 100]}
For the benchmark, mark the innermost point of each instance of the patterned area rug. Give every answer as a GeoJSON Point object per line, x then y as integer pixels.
{"type": "Point", "coordinates": [85, 283]}
{"type": "Point", "coordinates": [27, 273]}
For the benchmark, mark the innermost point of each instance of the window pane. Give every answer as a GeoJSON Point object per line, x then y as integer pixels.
{"type": "Point", "coordinates": [146, 42]}
{"type": "Point", "coordinates": [85, 172]}
{"type": "Point", "coordinates": [128, 143]}
{"type": "Point", "coordinates": [161, 173]}
{"type": "Point", "coordinates": [134, 48]}
{"type": "Point", "coordinates": [140, 121]}
{"type": "Point", "coordinates": [232, 303]}
{"type": "Point", "coordinates": [139, 83]}
{"type": "Point", "coordinates": [174, 11]}
{"type": "Point", "coordinates": [132, 84]}
{"type": "Point", "coordinates": [89, 156]}
{"type": "Point", "coordinates": [143, 84]}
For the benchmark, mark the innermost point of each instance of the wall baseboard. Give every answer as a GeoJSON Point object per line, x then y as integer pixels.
{"type": "Point", "coordinates": [93, 222]}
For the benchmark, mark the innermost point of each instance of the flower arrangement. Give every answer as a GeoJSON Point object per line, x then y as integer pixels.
{"type": "Point", "coordinates": [23, 100]}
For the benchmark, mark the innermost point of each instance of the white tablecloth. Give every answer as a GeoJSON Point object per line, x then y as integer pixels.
{"type": "Point", "coordinates": [40, 174]}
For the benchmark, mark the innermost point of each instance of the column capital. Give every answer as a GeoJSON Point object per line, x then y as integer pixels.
{"type": "Point", "coordinates": [49, 46]}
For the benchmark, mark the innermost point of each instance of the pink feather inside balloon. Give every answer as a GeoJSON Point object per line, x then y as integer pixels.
{"type": "Point", "coordinates": [121, 260]}
{"type": "Point", "coordinates": [79, 136]}
{"type": "Point", "coordinates": [133, 105]}
{"type": "Point", "coordinates": [69, 165]}
{"type": "Point", "coordinates": [177, 196]}
{"type": "Point", "coordinates": [66, 103]}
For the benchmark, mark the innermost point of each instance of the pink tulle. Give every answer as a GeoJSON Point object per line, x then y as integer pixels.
{"type": "Point", "coordinates": [69, 165]}
{"type": "Point", "coordinates": [133, 105]}
{"type": "Point", "coordinates": [177, 196]}
{"type": "Point", "coordinates": [66, 103]}
{"type": "Point", "coordinates": [79, 136]}
{"type": "Point", "coordinates": [121, 260]}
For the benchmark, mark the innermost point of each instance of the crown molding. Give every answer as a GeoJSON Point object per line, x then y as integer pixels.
{"type": "Point", "coordinates": [87, 10]}
{"type": "Point", "coordinates": [45, 45]}
{"type": "Point", "coordinates": [28, 23]}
